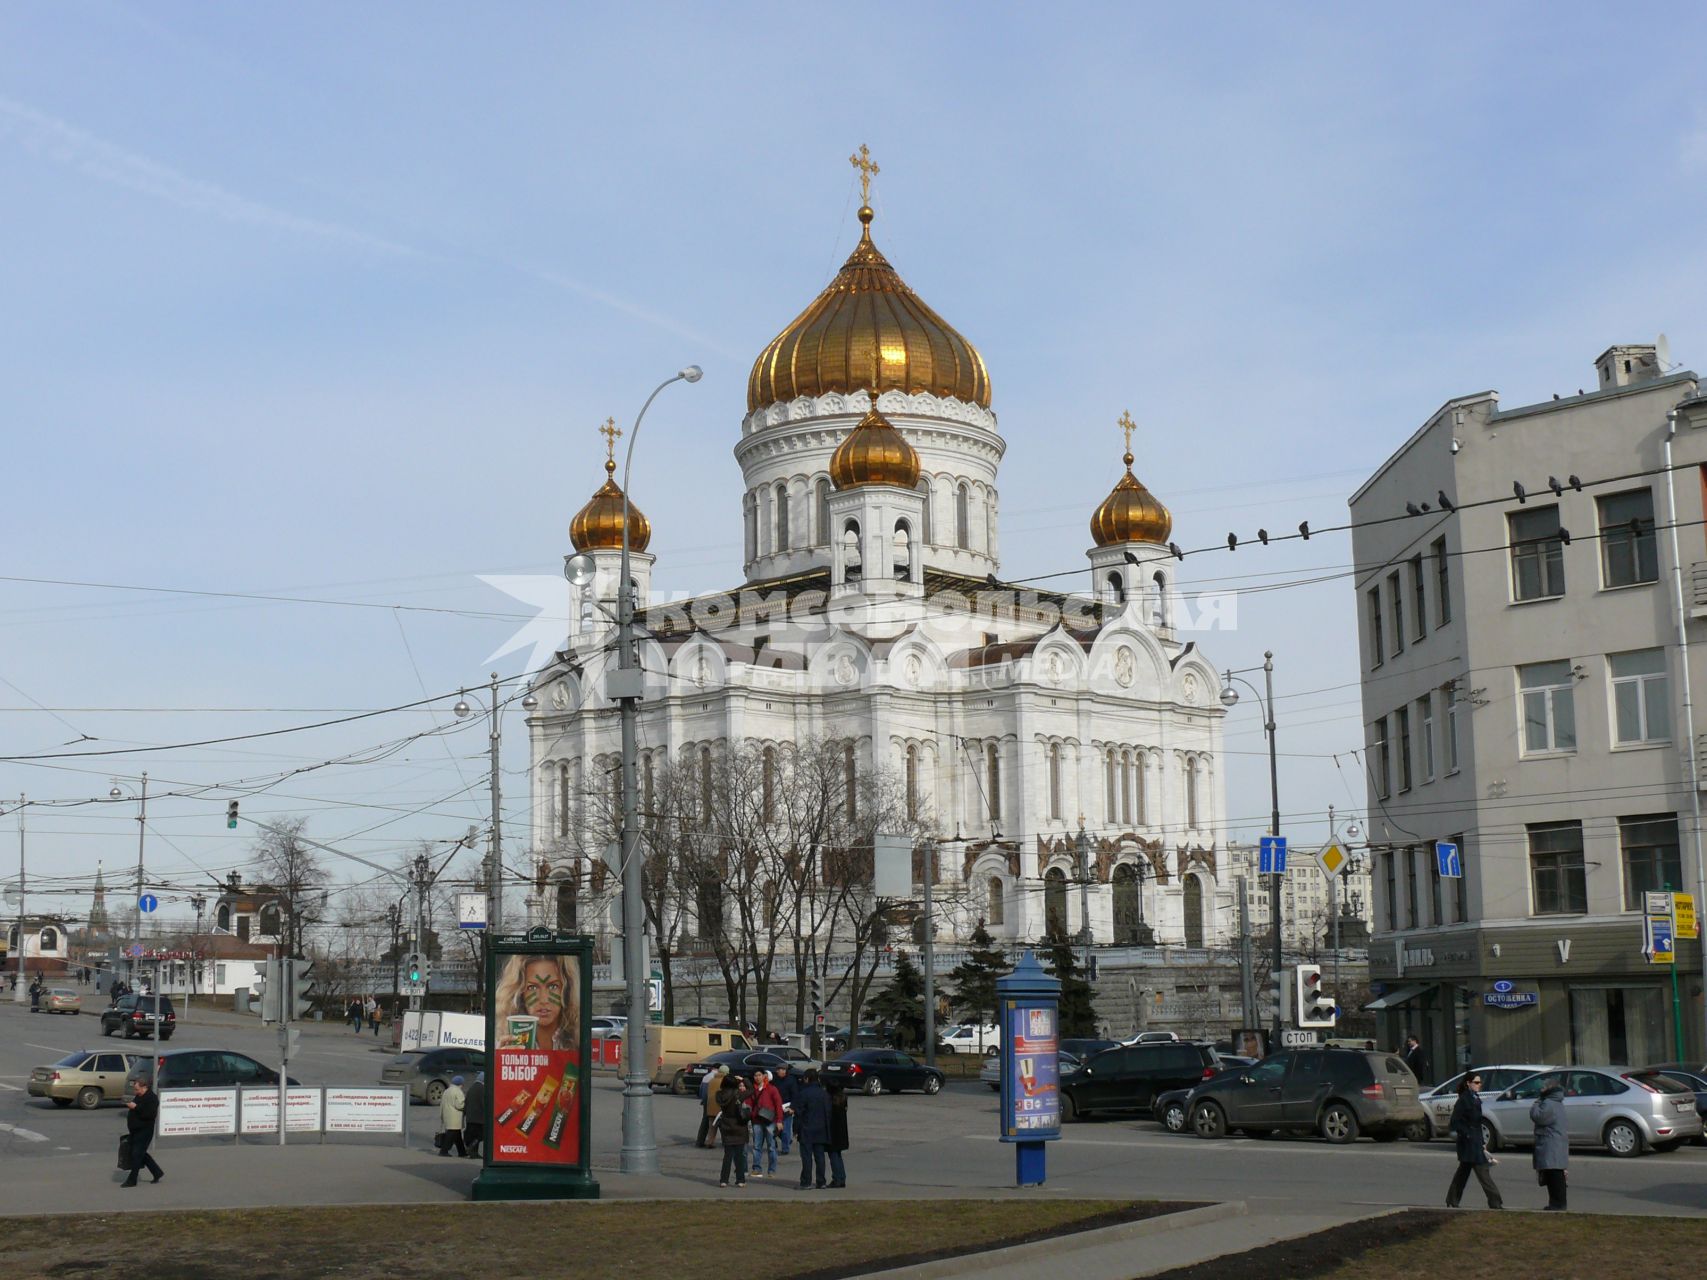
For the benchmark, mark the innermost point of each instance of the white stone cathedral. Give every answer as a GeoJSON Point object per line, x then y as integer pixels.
{"type": "Point", "coordinates": [872, 612]}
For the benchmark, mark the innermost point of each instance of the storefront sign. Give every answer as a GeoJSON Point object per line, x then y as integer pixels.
{"type": "Point", "coordinates": [186, 1113]}
{"type": "Point", "coordinates": [364, 1110]}
{"type": "Point", "coordinates": [261, 1111]}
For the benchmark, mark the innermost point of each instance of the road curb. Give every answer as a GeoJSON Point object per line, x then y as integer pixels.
{"type": "Point", "coordinates": [1058, 1251]}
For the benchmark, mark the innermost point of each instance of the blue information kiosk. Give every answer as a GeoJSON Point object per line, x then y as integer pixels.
{"type": "Point", "coordinates": [1030, 1004]}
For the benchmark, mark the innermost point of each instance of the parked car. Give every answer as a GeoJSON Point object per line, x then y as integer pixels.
{"type": "Point", "coordinates": [205, 1069]}
{"type": "Point", "coordinates": [991, 1072]}
{"type": "Point", "coordinates": [1173, 1107]}
{"type": "Point", "coordinates": [151, 1017]}
{"type": "Point", "coordinates": [971, 1038]}
{"type": "Point", "coordinates": [1082, 1048]}
{"type": "Point", "coordinates": [1438, 1100]}
{"type": "Point", "coordinates": [1130, 1077]}
{"type": "Point", "coordinates": [428, 1072]}
{"type": "Point", "coordinates": [1338, 1093]}
{"type": "Point", "coordinates": [61, 1000]}
{"type": "Point", "coordinates": [873, 1071]}
{"type": "Point", "coordinates": [1152, 1037]}
{"type": "Point", "coordinates": [1696, 1080]}
{"type": "Point", "coordinates": [87, 1077]}
{"type": "Point", "coordinates": [1625, 1111]}
{"type": "Point", "coordinates": [607, 1026]}
{"type": "Point", "coordinates": [743, 1062]}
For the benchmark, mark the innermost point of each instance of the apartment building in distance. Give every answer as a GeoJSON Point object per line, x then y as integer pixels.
{"type": "Point", "coordinates": [1532, 597]}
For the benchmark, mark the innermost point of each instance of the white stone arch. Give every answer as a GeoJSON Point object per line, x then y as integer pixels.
{"type": "Point", "coordinates": [917, 662]}
{"type": "Point", "coordinates": [698, 664]}
{"type": "Point", "coordinates": [1146, 678]}
{"type": "Point", "coordinates": [840, 664]}
{"type": "Point", "coordinates": [1058, 661]}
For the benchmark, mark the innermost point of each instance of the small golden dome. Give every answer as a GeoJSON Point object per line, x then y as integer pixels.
{"type": "Point", "coordinates": [1131, 513]}
{"type": "Point", "coordinates": [874, 452]}
{"type": "Point", "coordinates": [867, 329]}
{"type": "Point", "coordinates": [598, 525]}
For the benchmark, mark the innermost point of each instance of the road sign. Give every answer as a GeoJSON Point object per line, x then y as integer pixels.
{"type": "Point", "coordinates": [1297, 1038]}
{"type": "Point", "coordinates": [1447, 860]}
{"type": "Point", "coordinates": [1683, 915]}
{"type": "Point", "coordinates": [1332, 858]}
{"type": "Point", "coordinates": [1271, 856]}
{"type": "Point", "coordinates": [1658, 943]}
{"type": "Point", "coordinates": [148, 902]}
{"type": "Point", "coordinates": [135, 950]}
{"type": "Point", "coordinates": [1656, 903]}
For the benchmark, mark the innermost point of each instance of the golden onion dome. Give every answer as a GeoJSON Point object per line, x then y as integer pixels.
{"type": "Point", "coordinates": [1130, 513]}
{"type": "Point", "coordinates": [874, 452]}
{"type": "Point", "coordinates": [868, 329]}
{"type": "Point", "coordinates": [598, 525]}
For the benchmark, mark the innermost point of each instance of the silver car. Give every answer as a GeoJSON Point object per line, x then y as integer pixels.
{"type": "Point", "coordinates": [1625, 1111]}
{"type": "Point", "coordinates": [1439, 1100]}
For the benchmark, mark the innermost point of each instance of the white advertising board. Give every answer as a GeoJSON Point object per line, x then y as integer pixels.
{"type": "Point", "coordinates": [364, 1110]}
{"type": "Point", "coordinates": [462, 1031]}
{"type": "Point", "coordinates": [421, 1030]}
{"type": "Point", "coordinates": [186, 1113]}
{"type": "Point", "coordinates": [261, 1111]}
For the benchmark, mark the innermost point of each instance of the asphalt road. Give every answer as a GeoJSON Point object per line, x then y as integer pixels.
{"type": "Point", "coordinates": [903, 1146]}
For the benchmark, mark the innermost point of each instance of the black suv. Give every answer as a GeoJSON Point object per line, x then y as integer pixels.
{"type": "Point", "coordinates": [145, 1016]}
{"type": "Point", "coordinates": [1338, 1093]}
{"type": "Point", "coordinates": [1130, 1077]}
{"type": "Point", "coordinates": [206, 1069]}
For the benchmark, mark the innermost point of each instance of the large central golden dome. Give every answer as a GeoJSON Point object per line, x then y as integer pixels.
{"type": "Point", "coordinates": [868, 331]}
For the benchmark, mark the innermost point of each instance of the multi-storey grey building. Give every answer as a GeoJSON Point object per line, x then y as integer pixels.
{"type": "Point", "coordinates": [1532, 584]}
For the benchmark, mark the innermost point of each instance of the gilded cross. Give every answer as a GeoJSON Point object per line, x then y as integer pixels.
{"type": "Point", "coordinates": [1128, 426]}
{"type": "Point", "coordinates": [611, 432]}
{"type": "Point", "coordinates": [863, 162]}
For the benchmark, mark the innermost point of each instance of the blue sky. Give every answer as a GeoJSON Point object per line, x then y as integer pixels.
{"type": "Point", "coordinates": [321, 301]}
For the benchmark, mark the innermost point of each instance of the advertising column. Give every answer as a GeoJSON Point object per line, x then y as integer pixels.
{"type": "Point", "coordinates": [1031, 1079]}
{"type": "Point", "coordinates": [538, 1113]}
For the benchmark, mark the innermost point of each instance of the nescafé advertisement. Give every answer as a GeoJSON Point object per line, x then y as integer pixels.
{"type": "Point", "coordinates": [541, 984]}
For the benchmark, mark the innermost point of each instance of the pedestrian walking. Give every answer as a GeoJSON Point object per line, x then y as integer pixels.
{"type": "Point", "coordinates": [35, 994]}
{"type": "Point", "coordinates": [709, 1084]}
{"type": "Point", "coordinates": [144, 1108]}
{"type": "Point", "coordinates": [767, 1116]}
{"type": "Point", "coordinates": [453, 1104]}
{"type": "Point", "coordinates": [734, 1128]}
{"type": "Point", "coordinates": [812, 1130]}
{"type": "Point", "coordinates": [353, 1014]}
{"type": "Point", "coordinates": [838, 1135]}
{"type": "Point", "coordinates": [787, 1086]}
{"type": "Point", "coordinates": [1552, 1144]}
{"type": "Point", "coordinates": [372, 1011]}
{"type": "Point", "coordinates": [1473, 1157]}
{"type": "Point", "coordinates": [474, 1114]}
{"type": "Point", "coordinates": [1416, 1059]}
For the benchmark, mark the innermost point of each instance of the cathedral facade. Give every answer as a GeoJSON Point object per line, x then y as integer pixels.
{"type": "Point", "coordinates": [1061, 750]}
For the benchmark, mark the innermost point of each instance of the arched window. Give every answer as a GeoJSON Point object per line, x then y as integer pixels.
{"type": "Point", "coordinates": [1160, 614]}
{"type": "Point", "coordinates": [962, 518]}
{"type": "Point", "coordinates": [1193, 911]}
{"type": "Point", "coordinates": [902, 556]}
{"type": "Point", "coordinates": [989, 539]}
{"type": "Point", "coordinates": [705, 784]}
{"type": "Point", "coordinates": [222, 918]}
{"type": "Point", "coordinates": [912, 782]}
{"type": "Point", "coordinates": [566, 905]}
{"type": "Point", "coordinates": [995, 909]}
{"type": "Point", "coordinates": [1128, 905]}
{"type": "Point", "coordinates": [823, 492]}
{"type": "Point", "coordinates": [1117, 588]}
{"type": "Point", "coordinates": [850, 550]}
{"type": "Point", "coordinates": [1055, 903]}
{"type": "Point", "coordinates": [1140, 810]}
{"type": "Point", "coordinates": [769, 784]}
{"type": "Point", "coordinates": [993, 780]}
{"type": "Point", "coordinates": [49, 941]}
{"type": "Point", "coordinates": [782, 517]}
{"type": "Point", "coordinates": [925, 512]}
{"type": "Point", "coordinates": [646, 787]}
{"type": "Point", "coordinates": [1126, 787]}
{"type": "Point", "coordinates": [1054, 779]}
{"type": "Point", "coordinates": [1111, 764]}
{"type": "Point", "coordinates": [270, 921]}
{"type": "Point", "coordinates": [750, 520]}
{"type": "Point", "coordinates": [850, 779]}
{"type": "Point", "coordinates": [563, 800]}
{"type": "Point", "coordinates": [1191, 793]}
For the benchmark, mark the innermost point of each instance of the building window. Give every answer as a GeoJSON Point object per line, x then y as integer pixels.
{"type": "Point", "coordinates": [1618, 1024]}
{"type": "Point", "coordinates": [1382, 759]}
{"type": "Point", "coordinates": [1111, 765]}
{"type": "Point", "coordinates": [1402, 731]}
{"type": "Point", "coordinates": [1392, 887]}
{"type": "Point", "coordinates": [1128, 905]}
{"type": "Point", "coordinates": [1377, 642]}
{"type": "Point", "coordinates": [1192, 904]}
{"type": "Point", "coordinates": [1413, 894]}
{"type": "Point", "coordinates": [1054, 761]}
{"type": "Point", "coordinates": [1117, 589]}
{"type": "Point", "coordinates": [993, 780]}
{"type": "Point", "coordinates": [822, 489]}
{"type": "Point", "coordinates": [850, 780]}
{"type": "Point", "coordinates": [1398, 613]}
{"type": "Point", "coordinates": [1556, 866]}
{"type": "Point", "coordinates": [1652, 858]}
{"type": "Point", "coordinates": [925, 523]}
{"type": "Point", "coordinates": [1419, 599]}
{"type": "Point", "coordinates": [1642, 712]}
{"type": "Point", "coordinates": [782, 518]}
{"type": "Point", "coordinates": [1549, 707]}
{"type": "Point", "coordinates": [566, 905]}
{"type": "Point", "coordinates": [912, 783]}
{"type": "Point", "coordinates": [1425, 735]}
{"type": "Point", "coordinates": [710, 907]}
{"type": "Point", "coordinates": [1537, 554]}
{"type": "Point", "coordinates": [563, 800]}
{"type": "Point", "coordinates": [705, 785]}
{"type": "Point", "coordinates": [1191, 793]}
{"type": "Point", "coordinates": [1442, 585]}
{"type": "Point", "coordinates": [750, 521]}
{"type": "Point", "coordinates": [1450, 689]}
{"type": "Point", "coordinates": [962, 519]}
{"type": "Point", "coordinates": [1055, 903]}
{"type": "Point", "coordinates": [1628, 553]}
{"type": "Point", "coordinates": [994, 908]}
{"type": "Point", "coordinates": [222, 918]}
{"type": "Point", "coordinates": [1136, 814]}
{"type": "Point", "coordinates": [1126, 787]}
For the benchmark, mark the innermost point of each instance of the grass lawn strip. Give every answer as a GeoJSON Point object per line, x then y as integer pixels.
{"type": "Point", "coordinates": [692, 1240]}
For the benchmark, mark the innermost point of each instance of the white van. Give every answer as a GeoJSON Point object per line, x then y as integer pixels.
{"type": "Point", "coordinates": [971, 1038]}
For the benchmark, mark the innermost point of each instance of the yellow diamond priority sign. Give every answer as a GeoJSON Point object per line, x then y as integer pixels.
{"type": "Point", "coordinates": [1332, 858]}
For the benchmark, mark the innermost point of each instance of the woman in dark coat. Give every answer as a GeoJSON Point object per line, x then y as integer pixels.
{"type": "Point", "coordinates": [838, 1134]}
{"type": "Point", "coordinates": [1466, 1127]}
{"type": "Point", "coordinates": [734, 1128]}
{"type": "Point", "coordinates": [1552, 1143]}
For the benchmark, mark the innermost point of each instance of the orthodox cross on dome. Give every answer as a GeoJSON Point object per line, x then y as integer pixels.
{"type": "Point", "coordinates": [867, 169]}
{"type": "Point", "coordinates": [612, 433]}
{"type": "Point", "coordinates": [1127, 426]}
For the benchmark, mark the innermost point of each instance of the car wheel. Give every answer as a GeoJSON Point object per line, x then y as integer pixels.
{"type": "Point", "coordinates": [1173, 1117]}
{"type": "Point", "coordinates": [435, 1092]}
{"type": "Point", "coordinates": [948, 1048]}
{"type": "Point", "coordinates": [62, 1102]}
{"type": "Point", "coordinates": [873, 1086]}
{"type": "Point", "coordinates": [1490, 1137]}
{"type": "Point", "coordinates": [1070, 1109]}
{"type": "Point", "coordinates": [932, 1084]}
{"type": "Point", "coordinates": [1339, 1124]}
{"type": "Point", "coordinates": [1208, 1121]}
{"type": "Point", "coordinates": [1623, 1138]}
{"type": "Point", "coordinates": [1418, 1131]}
{"type": "Point", "coordinates": [679, 1084]}
{"type": "Point", "coordinates": [991, 1052]}
{"type": "Point", "coordinates": [88, 1097]}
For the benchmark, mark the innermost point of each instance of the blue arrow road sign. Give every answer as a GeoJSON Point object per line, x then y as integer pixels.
{"type": "Point", "coordinates": [1271, 856]}
{"type": "Point", "coordinates": [148, 902]}
{"type": "Point", "coordinates": [1446, 858]}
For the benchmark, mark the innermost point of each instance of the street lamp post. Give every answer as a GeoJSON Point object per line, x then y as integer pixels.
{"type": "Point", "coordinates": [495, 848]}
{"type": "Point", "coordinates": [639, 1142]}
{"type": "Point", "coordinates": [117, 793]}
{"type": "Point", "coordinates": [1230, 696]}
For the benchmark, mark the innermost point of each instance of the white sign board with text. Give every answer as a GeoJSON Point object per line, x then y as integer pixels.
{"type": "Point", "coordinates": [261, 1111]}
{"type": "Point", "coordinates": [186, 1113]}
{"type": "Point", "coordinates": [365, 1110]}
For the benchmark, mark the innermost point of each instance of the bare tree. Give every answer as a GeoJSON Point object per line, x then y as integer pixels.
{"type": "Point", "coordinates": [293, 871]}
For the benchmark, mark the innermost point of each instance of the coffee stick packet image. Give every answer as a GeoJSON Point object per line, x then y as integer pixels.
{"type": "Point", "coordinates": [565, 1104]}
{"type": "Point", "coordinates": [531, 1121]}
{"type": "Point", "coordinates": [516, 1104]}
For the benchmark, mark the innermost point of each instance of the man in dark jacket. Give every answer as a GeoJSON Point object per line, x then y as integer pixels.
{"type": "Point", "coordinates": [474, 1114]}
{"type": "Point", "coordinates": [812, 1130]}
{"type": "Point", "coordinates": [1416, 1059]}
{"type": "Point", "coordinates": [788, 1088]}
{"type": "Point", "coordinates": [1552, 1143]}
{"type": "Point", "coordinates": [838, 1135]}
{"type": "Point", "coordinates": [144, 1108]}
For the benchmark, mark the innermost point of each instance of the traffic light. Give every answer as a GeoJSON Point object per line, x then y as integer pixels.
{"type": "Point", "coordinates": [290, 1042]}
{"type": "Point", "coordinates": [817, 997]}
{"type": "Point", "coordinates": [1313, 1006]}
{"type": "Point", "coordinates": [231, 814]}
{"type": "Point", "coordinates": [269, 988]}
{"type": "Point", "coordinates": [414, 969]}
{"type": "Point", "coordinates": [301, 982]}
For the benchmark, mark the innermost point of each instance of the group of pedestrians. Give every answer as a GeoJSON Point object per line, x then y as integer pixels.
{"type": "Point", "coordinates": [462, 1117]}
{"type": "Point", "coordinates": [767, 1116]}
{"type": "Point", "coordinates": [356, 1013]}
{"type": "Point", "coordinates": [1552, 1144]}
